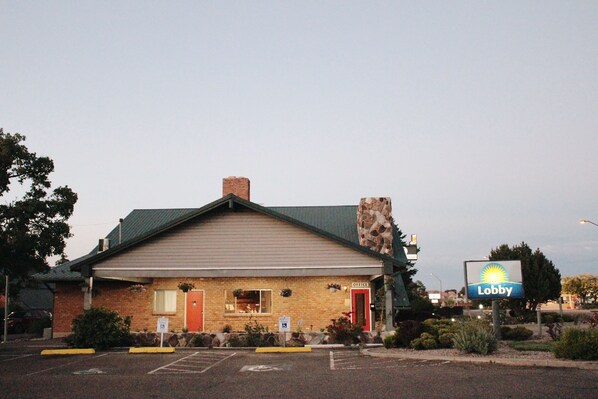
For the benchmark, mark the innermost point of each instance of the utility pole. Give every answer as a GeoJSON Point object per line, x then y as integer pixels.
{"type": "Point", "coordinates": [5, 337]}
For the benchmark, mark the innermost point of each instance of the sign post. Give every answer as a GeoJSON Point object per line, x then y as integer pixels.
{"type": "Point", "coordinates": [162, 328]}
{"type": "Point", "coordinates": [284, 326]}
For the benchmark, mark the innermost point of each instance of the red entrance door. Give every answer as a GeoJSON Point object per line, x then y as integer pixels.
{"type": "Point", "coordinates": [194, 316]}
{"type": "Point", "coordinates": [360, 308]}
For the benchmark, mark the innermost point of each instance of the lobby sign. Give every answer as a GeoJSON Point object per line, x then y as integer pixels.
{"type": "Point", "coordinates": [493, 279]}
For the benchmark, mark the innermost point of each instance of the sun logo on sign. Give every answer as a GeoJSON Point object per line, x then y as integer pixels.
{"type": "Point", "coordinates": [493, 273]}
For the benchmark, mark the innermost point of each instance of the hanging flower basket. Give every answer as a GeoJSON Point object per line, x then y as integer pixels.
{"type": "Point", "coordinates": [333, 287]}
{"type": "Point", "coordinates": [286, 292]}
{"type": "Point", "coordinates": [185, 287]}
{"type": "Point", "coordinates": [237, 292]}
{"type": "Point", "coordinates": [137, 288]}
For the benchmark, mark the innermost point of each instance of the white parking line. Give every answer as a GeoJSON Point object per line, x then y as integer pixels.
{"type": "Point", "coordinates": [192, 364]}
{"type": "Point", "coordinates": [13, 357]}
{"type": "Point", "coordinates": [66, 364]}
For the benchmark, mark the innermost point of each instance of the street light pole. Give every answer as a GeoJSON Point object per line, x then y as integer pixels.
{"type": "Point", "coordinates": [440, 281]}
{"type": "Point", "coordinates": [585, 221]}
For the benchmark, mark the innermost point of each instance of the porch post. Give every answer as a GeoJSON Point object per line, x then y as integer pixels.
{"type": "Point", "coordinates": [388, 304]}
{"type": "Point", "coordinates": [87, 289]}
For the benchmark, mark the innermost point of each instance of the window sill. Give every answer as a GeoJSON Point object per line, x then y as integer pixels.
{"type": "Point", "coordinates": [246, 314]}
{"type": "Point", "coordinates": [164, 314]}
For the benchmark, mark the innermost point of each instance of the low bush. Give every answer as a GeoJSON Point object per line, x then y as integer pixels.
{"type": "Point", "coordinates": [407, 331]}
{"type": "Point", "coordinates": [446, 340]}
{"type": "Point", "coordinates": [516, 333]}
{"type": "Point", "coordinates": [100, 328]}
{"type": "Point", "coordinates": [201, 340]}
{"type": "Point", "coordinates": [531, 346]}
{"type": "Point", "coordinates": [425, 341]}
{"type": "Point", "coordinates": [389, 341]}
{"type": "Point", "coordinates": [475, 336]}
{"type": "Point", "coordinates": [442, 330]}
{"type": "Point", "coordinates": [343, 331]}
{"type": "Point", "coordinates": [255, 335]}
{"type": "Point", "coordinates": [577, 344]}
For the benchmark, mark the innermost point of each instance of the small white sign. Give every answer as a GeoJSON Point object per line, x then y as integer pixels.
{"type": "Point", "coordinates": [162, 325]}
{"type": "Point", "coordinates": [434, 295]}
{"type": "Point", "coordinates": [284, 324]}
{"type": "Point", "coordinates": [361, 284]}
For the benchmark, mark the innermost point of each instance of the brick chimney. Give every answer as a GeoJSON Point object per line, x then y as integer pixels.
{"type": "Point", "coordinates": [374, 224]}
{"type": "Point", "coordinates": [238, 186]}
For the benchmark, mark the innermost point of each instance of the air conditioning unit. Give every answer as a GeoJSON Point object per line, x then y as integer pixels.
{"type": "Point", "coordinates": [103, 244]}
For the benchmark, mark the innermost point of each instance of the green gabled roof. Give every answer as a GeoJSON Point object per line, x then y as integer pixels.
{"type": "Point", "coordinates": [141, 221]}
{"type": "Point", "coordinates": [338, 220]}
{"type": "Point", "coordinates": [334, 222]}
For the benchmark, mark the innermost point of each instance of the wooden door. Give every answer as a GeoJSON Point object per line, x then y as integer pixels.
{"type": "Point", "coordinates": [194, 314]}
{"type": "Point", "coordinates": [360, 308]}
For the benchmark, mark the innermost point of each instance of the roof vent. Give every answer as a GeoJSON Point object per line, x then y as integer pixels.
{"type": "Point", "coordinates": [103, 245]}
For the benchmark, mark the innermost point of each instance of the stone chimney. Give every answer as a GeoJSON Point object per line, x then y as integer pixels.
{"type": "Point", "coordinates": [374, 224]}
{"type": "Point", "coordinates": [238, 186]}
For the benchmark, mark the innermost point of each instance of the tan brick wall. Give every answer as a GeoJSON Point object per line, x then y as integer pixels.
{"type": "Point", "coordinates": [311, 302]}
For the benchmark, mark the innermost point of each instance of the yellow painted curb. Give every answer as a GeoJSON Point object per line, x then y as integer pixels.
{"type": "Point", "coordinates": [284, 350]}
{"type": "Point", "coordinates": [48, 352]}
{"type": "Point", "coordinates": [151, 350]}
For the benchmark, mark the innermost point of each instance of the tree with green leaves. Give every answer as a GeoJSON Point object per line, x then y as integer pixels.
{"type": "Point", "coordinates": [541, 279]}
{"type": "Point", "coordinates": [33, 217]}
{"type": "Point", "coordinates": [409, 270]}
{"type": "Point", "coordinates": [585, 286]}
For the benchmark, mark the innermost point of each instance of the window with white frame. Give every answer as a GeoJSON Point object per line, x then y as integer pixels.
{"type": "Point", "coordinates": [250, 301]}
{"type": "Point", "coordinates": [165, 301]}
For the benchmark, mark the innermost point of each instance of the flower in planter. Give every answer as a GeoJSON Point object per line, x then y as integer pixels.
{"type": "Point", "coordinates": [185, 287]}
{"type": "Point", "coordinates": [237, 292]}
{"type": "Point", "coordinates": [286, 292]}
{"type": "Point", "coordinates": [333, 286]}
{"type": "Point", "coordinates": [137, 288]}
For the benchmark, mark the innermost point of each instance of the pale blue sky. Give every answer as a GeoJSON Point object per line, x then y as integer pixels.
{"type": "Point", "coordinates": [478, 118]}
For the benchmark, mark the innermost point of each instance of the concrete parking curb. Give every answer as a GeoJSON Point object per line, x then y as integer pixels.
{"type": "Point", "coordinates": [59, 352]}
{"type": "Point", "coordinates": [152, 350]}
{"type": "Point", "coordinates": [584, 365]}
{"type": "Point", "coordinates": [277, 349]}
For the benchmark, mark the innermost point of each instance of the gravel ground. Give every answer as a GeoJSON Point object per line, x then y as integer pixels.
{"type": "Point", "coordinates": [504, 351]}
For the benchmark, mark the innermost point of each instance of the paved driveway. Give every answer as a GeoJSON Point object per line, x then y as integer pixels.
{"type": "Point", "coordinates": [245, 374]}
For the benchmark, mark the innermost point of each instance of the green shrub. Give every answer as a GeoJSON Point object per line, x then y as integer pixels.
{"type": "Point", "coordinates": [577, 344]}
{"type": "Point", "coordinates": [100, 328]}
{"type": "Point", "coordinates": [425, 341]}
{"type": "Point", "coordinates": [516, 333]}
{"type": "Point", "coordinates": [475, 336]}
{"type": "Point", "coordinates": [436, 326]}
{"type": "Point", "coordinates": [343, 331]}
{"type": "Point", "coordinates": [255, 335]}
{"type": "Point", "coordinates": [201, 340]}
{"type": "Point", "coordinates": [389, 341]}
{"type": "Point", "coordinates": [531, 346]}
{"type": "Point", "coordinates": [445, 340]}
{"type": "Point", "coordinates": [235, 341]}
{"type": "Point", "coordinates": [407, 331]}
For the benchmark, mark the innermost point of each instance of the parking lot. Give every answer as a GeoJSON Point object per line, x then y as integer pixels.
{"type": "Point", "coordinates": [24, 373]}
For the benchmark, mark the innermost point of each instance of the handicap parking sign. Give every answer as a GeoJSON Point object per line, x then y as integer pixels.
{"type": "Point", "coordinates": [162, 325]}
{"type": "Point", "coordinates": [284, 324]}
